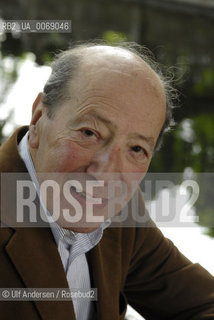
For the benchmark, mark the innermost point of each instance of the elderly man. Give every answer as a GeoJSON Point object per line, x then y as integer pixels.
{"type": "Point", "coordinates": [100, 118]}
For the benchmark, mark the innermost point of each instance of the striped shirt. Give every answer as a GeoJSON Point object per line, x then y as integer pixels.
{"type": "Point", "coordinates": [72, 247]}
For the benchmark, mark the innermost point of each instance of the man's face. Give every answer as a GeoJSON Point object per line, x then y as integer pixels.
{"type": "Point", "coordinates": [106, 131]}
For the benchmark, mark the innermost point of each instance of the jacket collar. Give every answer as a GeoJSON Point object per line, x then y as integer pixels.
{"type": "Point", "coordinates": [33, 251]}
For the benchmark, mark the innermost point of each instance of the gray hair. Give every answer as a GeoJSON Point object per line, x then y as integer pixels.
{"type": "Point", "coordinates": [66, 64]}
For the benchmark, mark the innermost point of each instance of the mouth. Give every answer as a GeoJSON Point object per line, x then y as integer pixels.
{"type": "Point", "coordinates": [85, 198]}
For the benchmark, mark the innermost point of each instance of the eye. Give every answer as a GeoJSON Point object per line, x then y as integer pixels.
{"type": "Point", "coordinates": [139, 153]}
{"type": "Point", "coordinates": [89, 135]}
{"type": "Point", "coordinates": [88, 132]}
{"type": "Point", "coordinates": [137, 149]}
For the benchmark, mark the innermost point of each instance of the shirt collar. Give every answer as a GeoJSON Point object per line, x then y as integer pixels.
{"type": "Point", "coordinates": [88, 240]}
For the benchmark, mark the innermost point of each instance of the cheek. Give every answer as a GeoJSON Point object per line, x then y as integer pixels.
{"type": "Point", "coordinates": [72, 158]}
{"type": "Point", "coordinates": [133, 180]}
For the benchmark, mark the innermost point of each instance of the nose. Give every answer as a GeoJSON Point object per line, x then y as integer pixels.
{"type": "Point", "coordinates": [106, 161]}
{"type": "Point", "coordinates": [107, 165]}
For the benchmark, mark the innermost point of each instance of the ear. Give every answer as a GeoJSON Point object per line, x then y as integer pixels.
{"type": "Point", "coordinates": [37, 111]}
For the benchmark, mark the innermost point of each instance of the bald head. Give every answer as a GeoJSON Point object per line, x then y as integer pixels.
{"type": "Point", "coordinates": [99, 63]}
{"type": "Point", "coordinates": [90, 64]}
{"type": "Point", "coordinates": [115, 59]}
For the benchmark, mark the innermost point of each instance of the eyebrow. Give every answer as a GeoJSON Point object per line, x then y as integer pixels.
{"type": "Point", "coordinates": [97, 116]}
{"type": "Point", "coordinates": [149, 140]}
{"type": "Point", "coordinates": [104, 120]}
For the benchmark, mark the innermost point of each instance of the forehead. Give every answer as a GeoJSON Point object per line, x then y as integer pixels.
{"type": "Point", "coordinates": [104, 67]}
{"type": "Point", "coordinates": [121, 79]}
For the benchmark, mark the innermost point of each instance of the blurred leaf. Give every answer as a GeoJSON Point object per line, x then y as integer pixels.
{"type": "Point", "coordinates": [113, 37]}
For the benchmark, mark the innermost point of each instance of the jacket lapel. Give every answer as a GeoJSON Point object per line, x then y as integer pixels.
{"type": "Point", "coordinates": [10, 160]}
{"type": "Point", "coordinates": [33, 251]}
{"type": "Point", "coordinates": [34, 254]}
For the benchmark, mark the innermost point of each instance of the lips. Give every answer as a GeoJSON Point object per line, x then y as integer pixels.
{"type": "Point", "coordinates": [85, 198]}
{"type": "Point", "coordinates": [85, 195]}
